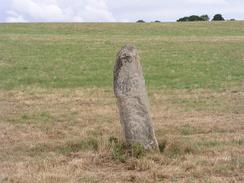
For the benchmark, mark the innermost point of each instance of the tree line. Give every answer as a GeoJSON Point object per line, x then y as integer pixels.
{"type": "Point", "coordinates": [217, 17]}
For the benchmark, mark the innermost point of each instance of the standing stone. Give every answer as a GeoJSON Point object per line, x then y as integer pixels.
{"type": "Point", "coordinates": [132, 99]}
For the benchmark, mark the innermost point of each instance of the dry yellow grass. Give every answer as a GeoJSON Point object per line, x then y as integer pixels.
{"type": "Point", "coordinates": [62, 136]}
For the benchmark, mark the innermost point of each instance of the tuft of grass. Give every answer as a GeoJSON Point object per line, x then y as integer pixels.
{"type": "Point", "coordinates": [71, 147]}
{"type": "Point", "coordinates": [122, 151]}
{"type": "Point", "coordinates": [88, 179]}
{"type": "Point", "coordinates": [241, 165]}
{"type": "Point", "coordinates": [187, 130]}
{"type": "Point", "coordinates": [27, 118]}
{"type": "Point", "coordinates": [118, 149]}
{"type": "Point", "coordinates": [142, 164]}
{"type": "Point", "coordinates": [210, 143]}
{"type": "Point", "coordinates": [162, 145]}
{"type": "Point", "coordinates": [222, 168]}
{"type": "Point", "coordinates": [239, 142]}
{"type": "Point", "coordinates": [137, 150]}
{"type": "Point", "coordinates": [65, 149]}
{"type": "Point", "coordinates": [177, 148]}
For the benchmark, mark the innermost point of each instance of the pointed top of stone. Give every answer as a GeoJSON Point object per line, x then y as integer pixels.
{"type": "Point", "coordinates": [129, 46]}
{"type": "Point", "coordinates": [128, 52]}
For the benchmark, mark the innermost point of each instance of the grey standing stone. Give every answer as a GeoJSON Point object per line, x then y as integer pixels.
{"type": "Point", "coordinates": [132, 99]}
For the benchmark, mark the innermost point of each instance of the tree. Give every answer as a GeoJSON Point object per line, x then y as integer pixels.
{"type": "Point", "coordinates": [194, 18]}
{"type": "Point", "coordinates": [205, 17]}
{"type": "Point", "coordinates": [140, 21]}
{"type": "Point", "coordinates": [184, 19]}
{"type": "Point", "coordinates": [218, 17]}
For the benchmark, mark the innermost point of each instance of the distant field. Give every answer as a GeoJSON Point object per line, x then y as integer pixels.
{"type": "Point", "coordinates": [174, 55]}
{"type": "Point", "coordinates": [58, 113]}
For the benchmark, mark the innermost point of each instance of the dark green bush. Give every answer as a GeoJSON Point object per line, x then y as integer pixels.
{"type": "Point", "coordinates": [194, 18]}
{"type": "Point", "coordinates": [140, 21]}
{"type": "Point", "coordinates": [218, 17]}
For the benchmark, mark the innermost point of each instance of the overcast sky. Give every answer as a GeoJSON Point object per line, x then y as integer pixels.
{"type": "Point", "coordinates": [114, 10]}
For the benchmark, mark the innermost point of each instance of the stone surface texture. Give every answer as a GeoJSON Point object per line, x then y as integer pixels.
{"type": "Point", "coordinates": [132, 99]}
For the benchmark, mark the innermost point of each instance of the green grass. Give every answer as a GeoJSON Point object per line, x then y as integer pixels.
{"type": "Point", "coordinates": [69, 147]}
{"type": "Point", "coordinates": [28, 118]}
{"type": "Point", "coordinates": [187, 130]}
{"type": "Point", "coordinates": [174, 55]}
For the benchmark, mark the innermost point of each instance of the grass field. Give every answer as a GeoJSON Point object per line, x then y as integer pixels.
{"type": "Point", "coordinates": [58, 113]}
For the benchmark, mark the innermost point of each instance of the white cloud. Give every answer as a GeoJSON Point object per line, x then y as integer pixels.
{"type": "Point", "coordinates": [15, 17]}
{"type": "Point", "coordinates": [37, 10]}
{"type": "Point", "coordinates": [97, 9]}
{"type": "Point", "coordinates": [59, 10]}
{"type": "Point", "coordinates": [208, 2]}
